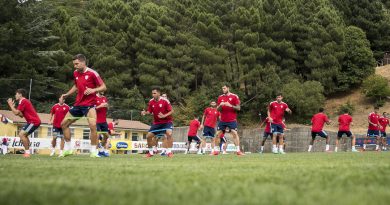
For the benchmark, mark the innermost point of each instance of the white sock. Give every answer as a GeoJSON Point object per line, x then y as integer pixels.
{"type": "Point", "coordinates": [274, 146]}
{"type": "Point", "coordinates": [310, 147]}
{"type": "Point", "coordinates": [93, 149]}
{"type": "Point", "coordinates": [327, 147]}
{"type": "Point", "coordinates": [101, 149]}
{"type": "Point", "coordinates": [364, 146]}
{"type": "Point", "coordinates": [67, 146]}
{"type": "Point", "coordinates": [60, 151]}
{"type": "Point", "coordinates": [164, 150]}
{"type": "Point", "coordinates": [216, 148]}
{"type": "Point", "coordinates": [27, 151]}
{"type": "Point", "coordinates": [151, 151]}
{"type": "Point", "coordinates": [377, 147]}
{"type": "Point", "coordinates": [353, 147]}
{"type": "Point", "coordinates": [169, 150]}
{"type": "Point", "coordinates": [154, 148]}
{"type": "Point", "coordinates": [335, 149]}
{"type": "Point", "coordinates": [238, 148]}
{"type": "Point", "coordinates": [281, 148]}
{"type": "Point", "coordinates": [262, 148]}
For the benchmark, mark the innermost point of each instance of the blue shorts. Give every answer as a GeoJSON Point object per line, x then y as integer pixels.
{"type": "Point", "coordinates": [58, 131]}
{"type": "Point", "coordinates": [322, 134]}
{"type": "Point", "coordinates": [30, 128]}
{"type": "Point", "coordinates": [276, 128]}
{"type": "Point", "coordinates": [208, 132]}
{"type": "Point", "coordinates": [341, 133]}
{"type": "Point", "coordinates": [196, 138]}
{"type": "Point", "coordinates": [267, 134]}
{"type": "Point", "coordinates": [373, 133]}
{"type": "Point", "coordinates": [231, 125]}
{"type": "Point", "coordinates": [383, 134]}
{"type": "Point", "coordinates": [160, 129]}
{"type": "Point", "coordinates": [102, 127]}
{"type": "Point", "coordinates": [80, 111]}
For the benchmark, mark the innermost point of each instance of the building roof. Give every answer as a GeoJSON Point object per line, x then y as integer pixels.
{"type": "Point", "coordinates": [45, 119]}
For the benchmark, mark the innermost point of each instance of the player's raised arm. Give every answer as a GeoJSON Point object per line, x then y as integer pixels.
{"type": "Point", "coordinates": [11, 104]}
{"type": "Point", "coordinates": [72, 90]}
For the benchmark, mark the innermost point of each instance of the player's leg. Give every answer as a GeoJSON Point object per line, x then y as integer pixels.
{"type": "Point", "coordinates": [236, 140]}
{"type": "Point", "coordinates": [53, 145]}
{"type": "Point", "coordinates": [353, 141]}
{"type": "Point", "coordinates": [339, 136]}
{"type": "Point", "coordinates": [169, 140]}
{"type": "Point", "coordinates": [150, 141]}
{"type": "Point", "coordinates": [189, 141]}
{"type": "Point", "coordinates": [91, 116]}
{"type": "Point", "coordinates": [384, 141]}
{"type": "Point", "coordinates": [327, 138]}
{"type": "Point", "coordinates": [199, 143]}
{"type": "Point", "coordinates": [66, 122]}
{"type": "Point", "coordinates": [378, 142]}
{"type": "Point", "coordinates": [265, 136]}
{"type": "Point", "coordinates": [313, 137]}
{"type": "Point", "coordinates": [27, 130]}
{"type": "Point", "coordinates": [214, 142]}
{"type": "Point", "coordinates": [366, 138]}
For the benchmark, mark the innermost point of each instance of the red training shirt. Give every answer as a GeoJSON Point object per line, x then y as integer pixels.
{"type": "Point", "coordinates": [161, 105]}
{"type": "Point", "coordinates": [277, 111]}
{"type": "Point", "coordinates": [228, 114]}
{"type": "Point", "coordinates": [101, 113]}
{"type": "Point", "coordinates": [345, 121]}
{"type": "Point", "coordinates": [373, 118]}
{"type": "Point", "coordinates": [211, 117]}
{"type": "Point", "coordinates": [28, 111]}
{"type": "Point", "coordinates": [194, 126]}
{"type": "Point", "coordinates": [59, 111]}
{"type": "Point", "coordinates": [318, 120]}
{"type": "Point", "coordinates": [87, 79]}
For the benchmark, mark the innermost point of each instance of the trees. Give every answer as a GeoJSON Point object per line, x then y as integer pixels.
{"type": "Point", "coordinates": [189, 48]}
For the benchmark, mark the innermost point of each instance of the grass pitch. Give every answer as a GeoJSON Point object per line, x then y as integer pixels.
{"type": "Point", "coordinates": [295, 178]}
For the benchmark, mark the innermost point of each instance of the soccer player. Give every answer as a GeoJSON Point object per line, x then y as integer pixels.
{"type": "Point", "coordinates": [384, 122]}
{"type": "Point", "coordinates": [25, 109]}
{"type": "Point", "coordinates": [87, 83]}
{"type": "Point", "coordinates": [318, 120]}
{"type": "Point", "coordinates": [275, 113]}
{"type": "Point", "coordinates": [111, 127]}
{"type": "Point", "coordinates": [267, 133]}
{"type": "Point", "coordinates": [228, 105]}
{"type": "Point", "coordinates": [162, 125]}
{"type": "Point", "coordinates": [4, 146]}
{"type": "Point", "coordinates": [156, 139]}
{"type": "Point", "coordinates": [345, 120]}
{"type": "Point", "coordinates": [193, 135]}
{"type": "Point", "coordinates": [209, 122]}
{"type": "Point", "coordinates": [57, 114]}
{"type": "Point", "coordinates": [373, 128]}
{"type": "Point", "coordinates": [101, 123]}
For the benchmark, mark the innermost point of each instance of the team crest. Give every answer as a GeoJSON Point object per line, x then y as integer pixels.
{"type": "Point", "coordinates": [230, 99]}
{"type": "Point", "coordinates": [86, 77]}
{"type": "Point", "coordinates": [160, 105]}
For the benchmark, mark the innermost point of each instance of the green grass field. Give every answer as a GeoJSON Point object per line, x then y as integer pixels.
{"type": "Point", "coordinates": [315, 178]}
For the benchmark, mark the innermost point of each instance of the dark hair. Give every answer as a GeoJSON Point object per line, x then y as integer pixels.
{"type": "Point", "coordinates": [21, 91]}
{"type": "Point", "coordinates": [278, 94]}
{"type": "Point", "coordinates": [114, 119]}
{"type": "Point", "coordinates": [321, 109]}
{"type": "Point", "coordinates": [376, 107]}
{"type": "Point", "coordinates": [156, 89]}
{"type": "Point", "coordinates": [384, 113]}
{"type": "Point", "coordinates": [80, 57]}
{"type": "Point", "coordinates": [226, 84]}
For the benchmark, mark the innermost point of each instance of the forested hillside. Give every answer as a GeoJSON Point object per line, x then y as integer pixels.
{"type": "Point", "coordinates": [306, 49]}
